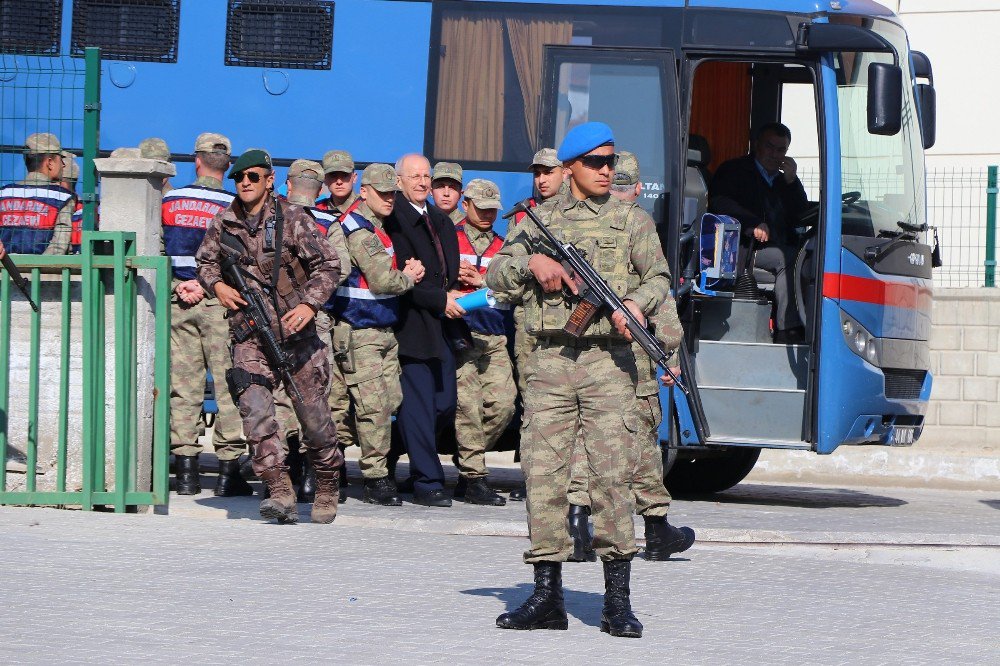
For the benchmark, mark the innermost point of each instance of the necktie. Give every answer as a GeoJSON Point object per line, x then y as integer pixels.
{"type": "Point", "coordinates": [437, 247]}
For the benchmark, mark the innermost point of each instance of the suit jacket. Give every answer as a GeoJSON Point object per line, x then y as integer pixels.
{"type": "Point", "coordinates": [738, 189]}
{"type": "Point", "coordinates": [422, 329]}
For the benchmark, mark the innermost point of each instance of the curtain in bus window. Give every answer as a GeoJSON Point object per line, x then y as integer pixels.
{"type": "Point", "coordinates": [469, 119]}
{"type": "Point", "coordinates": [528, 37]}
{"type": "Point", "coordinates": [720, 109]}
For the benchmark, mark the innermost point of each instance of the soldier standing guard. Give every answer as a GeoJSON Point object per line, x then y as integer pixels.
{"type": "Point", "coordinates": [297, 287]}
{"type": "Point", "coordinates": [484, 375]}
{"type": "Point", "coordinates": [36, 213]}
{"type": "Point", "coordinates": [581, 387]}
{"type": "Point", "coordinates": [339, 177]}
{"type": "Point", "coordinates": [198, 330]}
{"type": "Point", "coordinates": [446, 189]}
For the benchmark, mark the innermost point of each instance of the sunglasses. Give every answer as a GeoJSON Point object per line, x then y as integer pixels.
{"type": "Point", "coordinates": [252, 176]}
{"type": "Point", "coordinates": [598, 162]}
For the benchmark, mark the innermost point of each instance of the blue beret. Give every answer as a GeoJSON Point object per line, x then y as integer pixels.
{"type": "Point", "coordinates": [584, 138]}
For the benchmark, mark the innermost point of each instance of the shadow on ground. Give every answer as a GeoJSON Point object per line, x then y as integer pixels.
{"type": "Point", "coordinates": [798, 496]}
{"type": "Point", "coordinates": [993, 504]}
{"type": "Point", "coordinates": [584, 606]}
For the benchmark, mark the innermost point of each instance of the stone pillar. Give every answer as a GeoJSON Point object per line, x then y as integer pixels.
{"type": "Point", "coordinates": [131, 194]}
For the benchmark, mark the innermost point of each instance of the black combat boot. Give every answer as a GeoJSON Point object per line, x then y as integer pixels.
{"type": "Point", "coordinates": [460, 488]}
{"type": "Point", "coordinates": [307, 481]}
{"type": "Point", "coordinates": [579, 529]}
{"type": "Point", "coordinates": [280, 503]}
{"type": "Point", "coordinates": [545, 608]}
{"type": "Point", "coordinates": [296, 453]}
{"type": "Point", "coordinates": [230, 482]}
{"type": "Point", "coordinates": [663, 539]}
{"type": "Point", "coordinates": [518, 494]}
{"type": "Point", "coordinates": [478, 491]}
{"type": "Point", "coordinates": [186, 471]}
{"type": "Point", "coordinates": [617, 618]}
{"type": "Point", "coordinates": [342, 474]}
{"type": "Point", "coordinates": [381, 491]}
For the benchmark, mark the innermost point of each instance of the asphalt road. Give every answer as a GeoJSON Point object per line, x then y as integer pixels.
{"type": "Point", "coordinates": [776, 578]}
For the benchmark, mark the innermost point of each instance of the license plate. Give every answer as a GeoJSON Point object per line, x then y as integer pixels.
{"type": "Point", "coordinates": [903, 436]}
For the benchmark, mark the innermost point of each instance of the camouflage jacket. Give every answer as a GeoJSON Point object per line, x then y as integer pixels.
{"type": "Point", "coordinates": [310, 267]}
{"type": "Point", "coordinates": [334, 234]}
{"type": "Point", "coordinates": [618, 239]}
{"type": "Point", "coordinates": [369, 255]}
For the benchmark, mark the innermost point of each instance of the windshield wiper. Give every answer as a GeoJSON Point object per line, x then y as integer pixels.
{"type": "Point", "coordinates": [907, 234]}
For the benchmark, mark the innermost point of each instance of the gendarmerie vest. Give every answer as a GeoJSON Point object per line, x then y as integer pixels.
{"type": "Point", "coordinates": [354, 302]}
{"type": "Point", "coordinates": [28, 215]}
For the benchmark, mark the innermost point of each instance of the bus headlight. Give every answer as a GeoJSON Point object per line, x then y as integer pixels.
{"type": "Point", "coordinates": [859, 340]}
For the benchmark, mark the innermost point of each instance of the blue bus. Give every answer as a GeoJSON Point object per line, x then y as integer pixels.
{"type": "Point", "coordinates": [682, 82]}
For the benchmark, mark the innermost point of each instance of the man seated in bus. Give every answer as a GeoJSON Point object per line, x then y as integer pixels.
{"type": "Point", "coordinates": [446, 189]}
{"type": "Point", "coordinates": [763, 192]}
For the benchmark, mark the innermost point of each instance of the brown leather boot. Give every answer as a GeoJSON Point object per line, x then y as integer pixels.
{"type": "Point", "coordinates": [327, 496]}
{"type": "Point", "coordinates": [280, 503]}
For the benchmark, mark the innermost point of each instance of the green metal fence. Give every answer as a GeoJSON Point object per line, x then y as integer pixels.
{"type": "Point", "coordinates": [105, 272]}
{"type": "Point", "coordinates": [56, 94]}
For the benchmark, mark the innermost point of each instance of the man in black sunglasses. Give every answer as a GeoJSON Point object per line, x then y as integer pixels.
{"type": "Point", "coordinates": [581, 387]}
{"type": "Point", "coordinates": [283, 255]}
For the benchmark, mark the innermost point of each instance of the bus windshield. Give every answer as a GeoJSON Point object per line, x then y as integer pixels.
{"type": "Point", "coordinates": [882, 176]}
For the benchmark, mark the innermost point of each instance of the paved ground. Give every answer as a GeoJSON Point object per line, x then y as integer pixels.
{"type": "Point", "coordinates": [162, 589]}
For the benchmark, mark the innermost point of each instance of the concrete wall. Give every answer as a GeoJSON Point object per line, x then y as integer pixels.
{"type": "Point", "coordinates": [965, 361]}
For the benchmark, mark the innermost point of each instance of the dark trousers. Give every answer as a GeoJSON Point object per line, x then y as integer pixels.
{"type": "Point", "coordinates": [779, 260]}
{"type": "Point", "coordinates": [428, 408]}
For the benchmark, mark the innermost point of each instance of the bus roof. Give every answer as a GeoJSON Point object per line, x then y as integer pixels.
{"type": "Point", "coordinates": [862, 7]}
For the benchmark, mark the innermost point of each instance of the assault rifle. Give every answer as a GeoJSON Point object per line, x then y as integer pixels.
{"type": "Point", "coordinates": [256, 320]}
{"type": "Point", "coordinates": [18, 280]}
{"type": "Point", "coordinates": [596, 296]}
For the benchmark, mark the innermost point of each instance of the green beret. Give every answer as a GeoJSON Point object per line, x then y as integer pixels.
{"type": "Point", "coordinates": [250, 159]}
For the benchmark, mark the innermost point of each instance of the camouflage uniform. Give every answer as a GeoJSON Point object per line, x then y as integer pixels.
{"type": "Point", "coordinates": [485, 376]}
{"type": "Point", "coordinates": [582, 387]}
{"type": "Point", "coordinates": [372, 385]}
{"type": "Point", "coordinates": [198, 337]}
{"type": "Point", "coordinates": [313, 282]}
{"type": "Point", "coordinates": [59, 243]}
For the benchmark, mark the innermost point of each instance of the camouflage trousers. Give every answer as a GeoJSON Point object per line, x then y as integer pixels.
{"type": "Point", "coordinates": [311, 373]}
{"type": "Point", "coordinates": [288, 424]}
{"type": "Point", "coordinates": [363, 399]}
{"type": "Point", "coordinates": [651, 496]}
{"type": "Point", "coordinates": [485, 381]}
{"type": "Point", "coordinates": [198, 337]}
{"type": "Point", "coordinates": [582, 392]}
{"type": "Point", "coordinates": [523, 346]}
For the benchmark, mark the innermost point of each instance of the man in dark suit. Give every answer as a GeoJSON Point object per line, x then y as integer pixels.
{"type": "Point", "coordinates": [430, 320]}
{"type": "Point", "coordinates": [763, 192]}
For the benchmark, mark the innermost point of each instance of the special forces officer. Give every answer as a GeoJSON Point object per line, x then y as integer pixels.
{"type": "Point", "coordinates": [36, 213]}
{"type": "Point", "coordinates": [302, 281]}
{"type": "Point", "coordinates": [581, 387]}
{"type": "Point", "coordinates": [198, 330]}
{"type": "Point", "coordinates": [366, 389]}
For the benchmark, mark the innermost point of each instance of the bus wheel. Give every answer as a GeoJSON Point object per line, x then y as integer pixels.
{"type": "Point", "coordinates": [711, 474]}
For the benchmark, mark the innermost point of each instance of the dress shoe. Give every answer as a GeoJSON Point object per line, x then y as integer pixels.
{"type": "Point", "coordinates": [186, 471]}
{"type": "Point", "coordinates": [579, 528]}
{"type": "Point", "coordinates": [545, 608]}
{"type": "Point", "coordinates": [230, 482]}
{"type": "Point", "coordinates": [432, 498]}
{"type": "Point", "coordinates": [663, 539]}
{"type": "Point", "coordinates": [478, 491]}
{"type": "Point", "coordinates": [406, 485]}
{"type": "Point", "coordinates": [790, 336]}
{"type": "Point", "coordinates": [617, 617]}
{"type": "Point", "coordinates": [381, 491]}
{"type": "Point", "coordinates": [518, 494]}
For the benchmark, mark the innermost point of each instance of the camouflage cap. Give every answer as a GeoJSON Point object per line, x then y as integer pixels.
{"type": "Point", "coordinates": [627, 169]}
{"type": "Point", "coordinates": [306, 169]}
{"type": "Point", "coordinates": [255, 157]}
{"type": "Point", "coordinates": [545, 157]}
{"type": "Point", "coordinates": [71, 169]}
{"type": "Point", "coordinates": [338, 161]}
{"type": "Point", "coordinates": [42, 143]}
{"type": "Point", "coordinates": [484, 193]}
{"type": "Point", "coordinates": [125, 152]}
{"type": "Point", "coordinates": [210, 142]}
{"type": "Point", "coordinates": [154, 148]}
{"type": "Point", "coordinates": [447, 170]}
{"type": "Point", "coordinates": [382, 177]}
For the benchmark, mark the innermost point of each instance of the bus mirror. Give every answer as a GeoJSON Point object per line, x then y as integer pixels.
{"type": "Point", "coordinates": [922, 66]}
{"type": "Point", "coordinates": [885, 98]}
{"type": "Point", "coordinates": [825, 37]}
{"type": "Point", "coordinates": [927, 101]}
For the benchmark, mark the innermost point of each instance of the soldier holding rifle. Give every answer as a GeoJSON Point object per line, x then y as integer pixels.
{"type": "Point", "coordinates": [582, 377]}
{"type": "Point", "coordinates": [270, 265]}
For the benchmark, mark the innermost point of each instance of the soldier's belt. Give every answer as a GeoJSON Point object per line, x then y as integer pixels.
{"type": "Point", "coordinates": [582, 343]}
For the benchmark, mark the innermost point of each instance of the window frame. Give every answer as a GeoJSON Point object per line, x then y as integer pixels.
{"type": "Point", "coordinates": [52, 47]}
{"type": "Point", "coordinates": [230, 57]}
{"type": "Point", "coordinates": [79, 42]}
